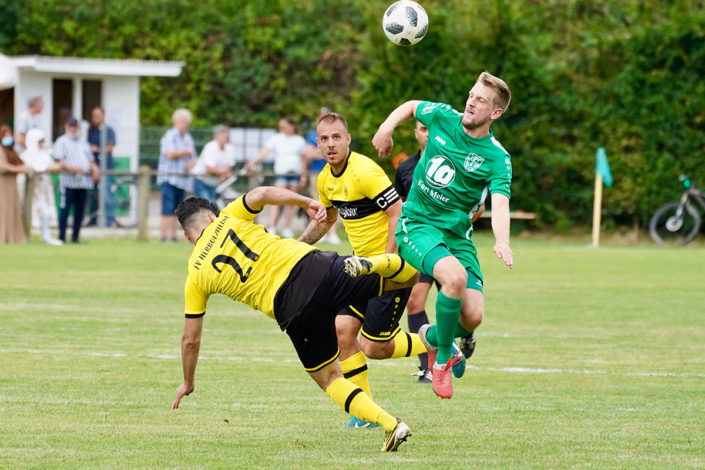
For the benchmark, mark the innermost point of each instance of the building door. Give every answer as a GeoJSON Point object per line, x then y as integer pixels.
{"type": "Point", "coordinates": [92, 97]}
{"type": "Point", "coordinates": [62, 100]}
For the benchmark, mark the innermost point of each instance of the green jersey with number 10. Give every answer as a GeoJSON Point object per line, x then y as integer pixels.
{"type": "Point", "coordinates": [456, 171]}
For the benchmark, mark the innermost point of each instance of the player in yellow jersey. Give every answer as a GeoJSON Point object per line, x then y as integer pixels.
{"type": "Point", "coordinates": [299, 286]}
{"type": "Point", "coordinates": [357, 189]}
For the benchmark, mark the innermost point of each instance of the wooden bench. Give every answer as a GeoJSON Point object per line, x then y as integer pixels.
{"type": "Point", "coordinates": [521, 215]}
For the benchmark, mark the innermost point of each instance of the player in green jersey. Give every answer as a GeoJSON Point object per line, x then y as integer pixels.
{"type": "Point", "coordinates": [462, 163]}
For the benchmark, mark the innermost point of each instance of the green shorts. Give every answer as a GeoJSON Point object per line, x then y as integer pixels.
{"type": "Point", "coordinates": [417, 239]}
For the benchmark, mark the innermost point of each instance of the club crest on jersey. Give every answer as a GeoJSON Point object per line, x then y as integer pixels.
{"type": "Point", "coordinates": [473, 162]}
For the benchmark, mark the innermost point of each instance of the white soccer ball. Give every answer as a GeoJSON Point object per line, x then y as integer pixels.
{"type": "Point", "coordinates": [405, 23]}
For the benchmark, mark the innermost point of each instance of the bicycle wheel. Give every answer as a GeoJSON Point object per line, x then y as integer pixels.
{"type": "Point", "coordinates": [668, 228]}
{"type": "Point", "coordinates": [124, 202]}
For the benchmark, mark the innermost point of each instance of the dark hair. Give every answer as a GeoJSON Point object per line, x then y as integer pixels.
{"type": "Point", "coordinates": [331, 118]}
{"type": "Point", "coordinates": [193, 206]}
{"type": "Point", "coordinates": [290, 120]}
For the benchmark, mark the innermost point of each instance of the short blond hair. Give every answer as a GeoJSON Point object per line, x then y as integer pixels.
{"type": "Point", "coordinates": [502, 94]}
{"type": "Point", "coordinates": [332, 117]}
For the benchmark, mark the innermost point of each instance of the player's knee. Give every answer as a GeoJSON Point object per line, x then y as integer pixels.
{"type": "Point", "coordinates": [347, 336]}
{"type": "Point", "coordinates": [374, 350]}
{"type": "Point", "coordinates": [326, 376]}
{"type": "Point", "coordinates": [416, 304]}
{"type": "Point", "coordinates": [455, 283]}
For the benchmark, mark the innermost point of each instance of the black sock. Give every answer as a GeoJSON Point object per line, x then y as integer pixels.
{"type": "Point", "coordinates": [415, 322]}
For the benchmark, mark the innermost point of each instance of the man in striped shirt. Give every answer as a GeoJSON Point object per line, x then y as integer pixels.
{"type": "Point", "coordinates": [79, 172]}
{"type": "Point", "coordinates": [177, 155]}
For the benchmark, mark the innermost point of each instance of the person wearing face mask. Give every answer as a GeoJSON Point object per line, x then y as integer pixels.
{"type": "Point", "coordinates": [290, 163]}
{"type": "Point", "coordinates": [11, 226]}
{"type": "Point", "coordinates": [79, 174]}
{"type": "Point", "coordinates": [37, 158]}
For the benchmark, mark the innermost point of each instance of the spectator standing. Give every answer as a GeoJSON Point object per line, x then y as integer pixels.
{"type": "Point", "coordinates": [11, 226]}
{"type": "Point", "coordinates": [290, 164]}
{"type": "Point", "coordinates": [29, 119]}
{"type": "Point", "coordinates": [38, 159]}
{"type": "Point", "coordinates": [97, 119]}
{"type": "Point", "coordinates": [177, 155]}
{"type": "Point", "coordinates": [214, 165]}
{"type": "Point", "coordinates": [316, 163]}
{"type": "Point", "coordinates": [80, 173]}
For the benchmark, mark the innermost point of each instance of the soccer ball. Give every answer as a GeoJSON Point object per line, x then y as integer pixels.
{"type": "Point", "coordinates": [405, 23]}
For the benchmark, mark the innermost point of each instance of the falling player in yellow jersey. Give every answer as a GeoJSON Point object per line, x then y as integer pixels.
{"type": "Point", "coordinates": [357, 189]}
{"type": "Point", "coordinates": [297, 285]}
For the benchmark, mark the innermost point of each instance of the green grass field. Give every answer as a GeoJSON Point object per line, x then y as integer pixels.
{"type": "Point", "coordinates": [586, 359]}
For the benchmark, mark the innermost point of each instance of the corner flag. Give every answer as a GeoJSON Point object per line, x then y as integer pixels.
{"type": "Point", "coordinates": [602, 175]}
{"type": "Point", "coordinates": [602, 168]}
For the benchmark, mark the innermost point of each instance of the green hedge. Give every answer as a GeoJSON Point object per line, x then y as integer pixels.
{"type": "Point", "coordinates": [627, 75]}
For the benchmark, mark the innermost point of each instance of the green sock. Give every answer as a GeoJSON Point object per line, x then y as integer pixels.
{"type": "Point", "coordinates": [447, 315]}
{"type": "Point", "coordinates": [431, 336]}
{"type": "Point", "coordinates": [460, 331]}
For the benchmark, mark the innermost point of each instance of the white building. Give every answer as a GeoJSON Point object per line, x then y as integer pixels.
{"type": "Point", "coordinates": [74, 86]}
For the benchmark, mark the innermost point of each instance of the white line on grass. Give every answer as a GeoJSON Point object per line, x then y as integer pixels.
{"type": "Point", "coordinates": [521, 370]}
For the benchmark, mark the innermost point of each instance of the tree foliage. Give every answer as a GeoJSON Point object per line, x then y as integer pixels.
{"type": "Point", "coordinates": [623, 74]}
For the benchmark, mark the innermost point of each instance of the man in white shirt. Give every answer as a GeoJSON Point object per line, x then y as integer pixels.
{"type": "Point", "coordinates": [214, 165]}
{"type": "Point", "coordinates": [29, 119]}
{"type": "Point", "coordinates": [290, 164]}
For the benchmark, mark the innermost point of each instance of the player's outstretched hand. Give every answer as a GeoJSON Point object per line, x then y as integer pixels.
{"type": "Point", "coordinates": [502, 250]}
{"type": "Point", "coordinates": [181, 392]}
{"type": "Point", "coordinates": [383, 143]}
{"type": "Point", "coordinates": [316, 211]}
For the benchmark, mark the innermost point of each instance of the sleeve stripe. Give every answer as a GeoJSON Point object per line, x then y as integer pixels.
{"type": "Point", "coordinates": [244, 203]}
{"type": "Point", "coordinates": [195, 315]}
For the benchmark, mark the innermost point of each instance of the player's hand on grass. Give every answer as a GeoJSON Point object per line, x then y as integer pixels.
{"type": "Point", "coordinates": [181, 392]}
{"type": "Point", "coordinates": [383, 142]}
{"type": "Point", "coordinates": [316, 211]}
{"type": "Point", "coordinates": [502, 250]}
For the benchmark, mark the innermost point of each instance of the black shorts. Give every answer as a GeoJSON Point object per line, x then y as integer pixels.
{"type": "Point", "coordinates": [425, 278]}
{"type": "Point", "coordinates": [313, 330]}
{"type": "Point", "coordinates": [380, 316]}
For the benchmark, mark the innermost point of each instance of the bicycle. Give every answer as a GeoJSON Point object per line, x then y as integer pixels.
{"type": "Point", "coordinates": [123, 203]}
{"type": "Point", "coordinates": [678, 222]}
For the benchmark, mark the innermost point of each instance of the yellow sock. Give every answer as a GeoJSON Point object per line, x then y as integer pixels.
{"type": "Point", "coordinates": [406, 345]}
{"type": "Point", "coordinates": [355, 370]}
{"type": "Point", "coordinates": [392, 267]}
{"type": "Point", "coordinates": [354, 401]}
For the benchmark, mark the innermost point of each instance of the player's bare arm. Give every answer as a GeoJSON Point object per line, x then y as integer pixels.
{"type": "Point", "coordinates": [269, 195]}
{"type": "Point", "coordinates": [394, 212]}
{"type": "Point", "coordinates": [500, 227]}
{"type": "Point", "coordinates": [382, 140]}
{"type": "Point", "coordinates": [190, 345]}
{"type": "Point", "coordinates": [316, 230]}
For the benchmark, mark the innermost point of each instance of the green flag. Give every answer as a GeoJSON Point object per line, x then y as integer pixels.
{"type": "Point", "coordinates": [602, 168]}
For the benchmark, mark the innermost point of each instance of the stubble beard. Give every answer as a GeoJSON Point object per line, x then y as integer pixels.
{"type": "Point", "coordinates": [471, 126]}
